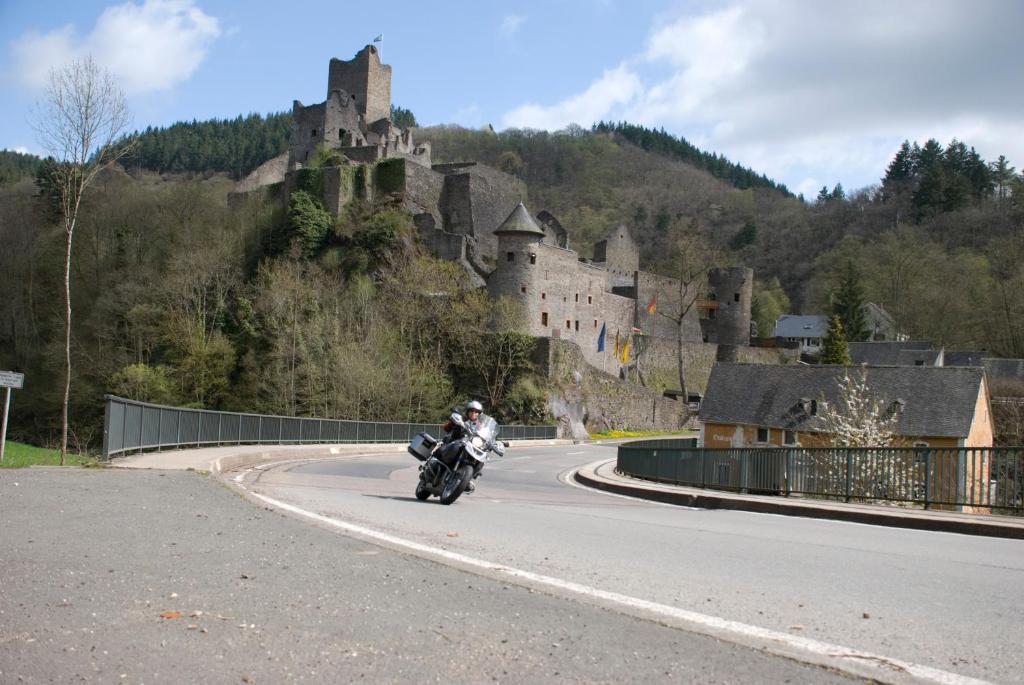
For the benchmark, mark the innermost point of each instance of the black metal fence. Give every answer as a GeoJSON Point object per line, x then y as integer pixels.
{"type": "Point", "coordinates": [131, 426]}
{"type": "Point", "coordinates": [978, 479]}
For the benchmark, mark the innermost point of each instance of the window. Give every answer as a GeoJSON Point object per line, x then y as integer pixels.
{"type": "Point", "coordinates": [595, 323]}
{"type": "Point", "coordinates": [341, 133]}
{"type": "Point", "coordinates": [789, 437]}
{"type": "Point", "coordinates": [814, 407]}
{"type": "Point", "coordinates": [735, 297]}
{"type": "Point", "coordinates": [918, 362]}
{"type": "Point", "coordinates": [590, 299]}
{"type": "Point", "coordinates": [568, 324]}
{"type": "Point", "coordinates": [543, 318]}
{"type": "Point", "coordinates": [511, 256]}
{"type": "Point", "coordinates": [522, 288]}
{"type": "Point", "coordinates": [533, 260]}
{"type": "Point", "coordinates": [314, 133]}
{"type": "Point", "coordinates": [711, 313]}
{"type": "Point", "coordinates": [577, 297]}
{"type": "Point", "coordinates": [764, 434]}
{"type": "Point", "coordinates": [577, 324]}
{"type": "Point", "coordinates": [543, 296]}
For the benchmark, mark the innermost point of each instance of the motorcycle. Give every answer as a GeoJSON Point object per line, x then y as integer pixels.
{"type": "Point", "coordinates": [447, 469]}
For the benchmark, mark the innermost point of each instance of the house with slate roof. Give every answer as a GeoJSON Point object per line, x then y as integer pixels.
{"type": "Point", "coordinates": [765, 405]}
{"type": "Point", "coordinates": [808, 330]}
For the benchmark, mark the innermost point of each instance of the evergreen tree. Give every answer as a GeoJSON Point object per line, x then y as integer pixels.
{"type": "Point", "coordinates": [834, 349]}
{"type": "Point", "coordinates": [848, 304]}
{"type": "Point", "coordinates": [403, 118]}
{"type": "Point", "coordinates": [1002, 175]}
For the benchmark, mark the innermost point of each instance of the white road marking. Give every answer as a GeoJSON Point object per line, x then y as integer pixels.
{"type": "Point", "coordinates": [781, 643]}
{"type": "Point", "coordinates": [572, 454]}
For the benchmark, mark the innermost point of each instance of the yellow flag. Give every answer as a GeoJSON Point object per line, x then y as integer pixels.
{"type": "Point", "coordinates": [625, 351]}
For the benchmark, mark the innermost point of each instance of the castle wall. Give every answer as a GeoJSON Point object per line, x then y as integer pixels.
{"type": "Point", "coordinates": [307, 132]}
{"type": "Point", "coordinates": [607, 401]}
{"type": "Point", "coordinates": [562, 297]}
{"type": "Point", "coordinates": [619, 254]}
{"type": "Point", "coordinates": [423, 188]}
{"type": "Point", "coordinates": [665, 290]}
{"type": "Point", "coordinates": [476, 200]}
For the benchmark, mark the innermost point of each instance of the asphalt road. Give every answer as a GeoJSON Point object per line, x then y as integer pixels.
{"type": "Point", "coordinates": [947, 601]}
{"type": "Point", "coordinates": [156, 577]}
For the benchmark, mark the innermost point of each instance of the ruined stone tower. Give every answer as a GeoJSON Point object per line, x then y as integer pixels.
{"type": "Point", "coordinates": [366, 80]}
{"type": "Point", "coordinates": [731, 289]}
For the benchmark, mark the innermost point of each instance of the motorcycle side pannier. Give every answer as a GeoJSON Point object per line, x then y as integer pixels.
{"type": "Point", "coordinates": [421, 446]}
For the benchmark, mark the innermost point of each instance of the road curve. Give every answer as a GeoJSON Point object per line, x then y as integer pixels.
{"type": "Point", "coordinates": [936, 600]}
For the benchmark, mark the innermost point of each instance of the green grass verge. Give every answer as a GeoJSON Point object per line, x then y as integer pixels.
{"type": "Point", "coordinates": [18, 454]}
{"type": "Point", "coordinates": [616, 434]}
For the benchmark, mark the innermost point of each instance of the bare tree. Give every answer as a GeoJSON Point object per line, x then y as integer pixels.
{"type": "Point", "coordinates": [80, 122]}
{"type": "Point", "coordinates": [693, 257]}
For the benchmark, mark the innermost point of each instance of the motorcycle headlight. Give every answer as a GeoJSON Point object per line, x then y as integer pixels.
{"type": "Point", "coordinates": [478, 442]}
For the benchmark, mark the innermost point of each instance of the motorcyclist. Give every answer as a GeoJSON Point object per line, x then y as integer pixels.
{"type": "Point", "coordinates": [454, 431]}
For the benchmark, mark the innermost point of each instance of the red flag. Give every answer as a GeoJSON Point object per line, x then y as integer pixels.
{"type": "Point", "coordinates": [652, 306]}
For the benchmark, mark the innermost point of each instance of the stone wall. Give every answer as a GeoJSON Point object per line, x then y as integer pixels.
{"type": "Point", "coordinates": [661, 369]}
{"type": "Point", "coordinates": [732, 289]}
{"type": "Point", "coordinates": [423, 188]}
{"type": "Point", "coordinates": [271, 171]}
{"type": "Point", "coordinates": [602, 400]}
{"type": "Point", "coordinates": [476, 200]}
{"type": "Point", "coordinates": [665, 292]}
{"type": "Point", "coordinates": [366, 78]}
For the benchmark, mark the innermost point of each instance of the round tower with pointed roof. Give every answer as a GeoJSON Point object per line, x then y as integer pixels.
{"type": "Point", "coordinates": [515, 274]}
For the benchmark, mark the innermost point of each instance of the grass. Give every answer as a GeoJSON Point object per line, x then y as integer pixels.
{"type": "Point", "coordinates": [616, 434]}
{"type": "Point", "coordinates": [18, 454]}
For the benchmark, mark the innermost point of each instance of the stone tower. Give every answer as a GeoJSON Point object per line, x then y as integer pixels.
{"type": "Point", "coordinates": [515, 273]}
{"type": "Point", "coordinates": [733, 289]}
{"type": "Point", "coordinates": [367, 80]}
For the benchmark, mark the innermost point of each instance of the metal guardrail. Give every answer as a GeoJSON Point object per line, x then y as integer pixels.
{"type": "Point", "coordinates": [130, 426]}
{"type": "Point", "coordinates": [982, 479]}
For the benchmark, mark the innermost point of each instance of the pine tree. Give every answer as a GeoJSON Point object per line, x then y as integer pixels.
{"type": "Point", "coordinates": [834, 349]}
{"type": "Point", "coordinates": [848, 304]}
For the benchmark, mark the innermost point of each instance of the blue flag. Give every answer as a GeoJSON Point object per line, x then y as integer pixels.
{"type": "Point", "coordinates": [600, 339]}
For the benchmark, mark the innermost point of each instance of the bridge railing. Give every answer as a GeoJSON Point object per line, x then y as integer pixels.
{"type": "Point", "coordinates": [979, 479]}
{"type": "Point", "coordinates": [131, 426]}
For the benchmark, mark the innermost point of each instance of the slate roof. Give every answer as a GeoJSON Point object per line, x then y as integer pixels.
{"type": "Point", "coordinates": [963, 358]}
{"type": "Point", "coordinates": [938, 401]}
{"type": "Point", "coordinates": [520, 221]}
{"type": "Point", "coordinates": [1004, 369]}
{"type": "Point", "coordinates": [800, 326]}
{"type": "Point", "coordinates": [893, 353]}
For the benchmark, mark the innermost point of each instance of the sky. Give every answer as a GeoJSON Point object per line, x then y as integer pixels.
{"type": "Point", "coordinates": [809, 93]}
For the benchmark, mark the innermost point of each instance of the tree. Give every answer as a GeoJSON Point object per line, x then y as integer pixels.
{"type": "Point", "coordinates": [858, 418]}
{"type": "Point", "coordinates": [769, 303]}
{"type": "Point", "coordinates": [848, 304]}
{"type": "Point", "coordinates": [692, 258]}
{"type": "Point", "coordinates": [403, 118]}
{"type": "Point", "coordinates": [80, 120]}
{"type": "Point", "coordinates": [1002, 176]}
{"type": "Point", "coordinates": [834, 349]}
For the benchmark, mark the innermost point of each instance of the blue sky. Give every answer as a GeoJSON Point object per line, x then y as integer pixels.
{"type": "Point", "coordinates": [810, 93]}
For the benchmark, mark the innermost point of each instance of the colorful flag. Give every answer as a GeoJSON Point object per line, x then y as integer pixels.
{"type": "Point", "coordinates": [625, 351]}
{"type": "Point", "coordinates": [637, 330]}
{"type": "Point", "coordinates": [617, 348]}
{"type": "Point", "coordinates": [652, 306]}
{"type": "Point", "coordinates": [600, 339]}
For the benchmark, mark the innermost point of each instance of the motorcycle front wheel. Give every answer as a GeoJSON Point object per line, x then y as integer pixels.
{"type": "Point", "coordinates": [455, 484]}
{"type": "Point", "coordinates": [422, 492]}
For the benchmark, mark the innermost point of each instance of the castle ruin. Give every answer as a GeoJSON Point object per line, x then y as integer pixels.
{"type": "Point", "coordinates": [474, 215]}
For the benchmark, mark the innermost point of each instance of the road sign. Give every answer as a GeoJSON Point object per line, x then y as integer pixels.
{"type": "Point", "coordinates": [11, 379]}
{"type": "Point", "coordinates": [8, 380]}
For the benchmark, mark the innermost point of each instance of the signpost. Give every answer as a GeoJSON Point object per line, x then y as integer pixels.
{"type": "Point", "coordinates": [8, 380]}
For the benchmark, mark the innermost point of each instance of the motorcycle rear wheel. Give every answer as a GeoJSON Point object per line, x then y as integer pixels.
{"type": "Point", "coordinates": [457, 484]}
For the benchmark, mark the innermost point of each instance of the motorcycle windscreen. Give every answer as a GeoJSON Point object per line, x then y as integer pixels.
{"type": "Point", "coordinates": [488, 429]}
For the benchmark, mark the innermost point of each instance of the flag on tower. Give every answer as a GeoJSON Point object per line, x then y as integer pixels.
{"type": "Point", "coordinates": [600, 339]}
{"type": "Point", "coordinates": [379, 38]}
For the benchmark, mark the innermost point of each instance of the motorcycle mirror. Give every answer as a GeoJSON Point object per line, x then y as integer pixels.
{"type": "Point", "coordinates": [505, 443]}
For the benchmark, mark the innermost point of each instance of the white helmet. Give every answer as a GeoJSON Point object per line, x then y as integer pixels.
{"type": "Point", "coordinates": [473, 404]}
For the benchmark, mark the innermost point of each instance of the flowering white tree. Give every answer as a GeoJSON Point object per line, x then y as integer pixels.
{"type": "Point", "coordinates": [859, 419]}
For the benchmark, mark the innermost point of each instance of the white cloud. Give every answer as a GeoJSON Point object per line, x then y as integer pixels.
{"type": "Point", "coordinates": [616, 87]}
{"type": "Point", "coordinates": [806, 90]}
{"type": "Point", "coordinates": [149, 47]}
{"type": "Point", "coordinates": [510, 23]}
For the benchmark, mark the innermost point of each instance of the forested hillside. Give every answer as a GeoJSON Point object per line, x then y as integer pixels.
{"type": "Point", "coordinates": [180, 298]}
